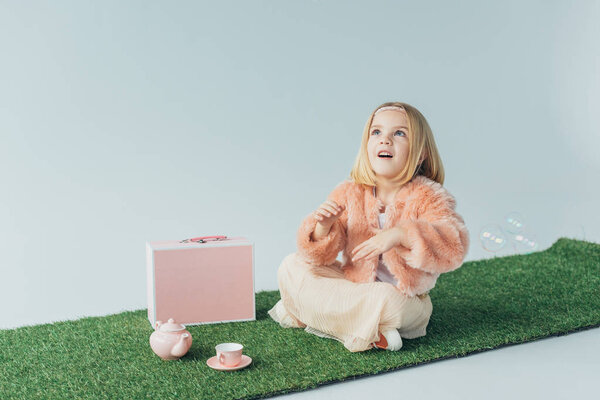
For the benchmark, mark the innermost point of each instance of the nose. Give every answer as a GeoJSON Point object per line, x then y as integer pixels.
{"type": "Point", "coordinates": [385, 139]}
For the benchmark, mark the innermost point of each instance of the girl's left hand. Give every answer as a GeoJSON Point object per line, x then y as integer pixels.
{"type": "Point", "coordinates": [378, 244]}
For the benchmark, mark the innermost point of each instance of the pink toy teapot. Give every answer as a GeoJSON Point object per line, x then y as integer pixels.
{"type": "Point", "coordinates": [170, 340]}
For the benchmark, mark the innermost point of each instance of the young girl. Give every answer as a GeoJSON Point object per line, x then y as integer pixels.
{"type": "Point", "coordinates": [398, 229]}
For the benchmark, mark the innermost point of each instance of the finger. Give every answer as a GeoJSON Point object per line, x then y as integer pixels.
{"type": "Point", "coordinates": [372, 254]}
{"type": "Point", "coordinates": [358, 248]}
{"type": "Point", "coordinates": [335, 205]}
{"type": "Point", "coordinates": [356, 257]}
{"type": "Point", "coordinates": [321, 217]}
{"type": "Point", "coordinates": [371, 251]}
{"type": "Point", "coordinates": [327, 210]}
{"type": "Point", "coordinates": [332, 210]}
{"type": "Point", "coordinates": [318, 214]}
{"type": "Point", "coordinates": [361, 253]}
{"type": "Point", "coordinates": [323, 212]}
{"type": "Point", "coordinates": [364, 256]}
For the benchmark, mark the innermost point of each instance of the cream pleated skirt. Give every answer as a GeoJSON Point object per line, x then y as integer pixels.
{"type": "Point", "coordinates": [323, 302]}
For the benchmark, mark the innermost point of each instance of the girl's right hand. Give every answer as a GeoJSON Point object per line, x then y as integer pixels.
{"type": "Point", "coordinates": [328, 212]}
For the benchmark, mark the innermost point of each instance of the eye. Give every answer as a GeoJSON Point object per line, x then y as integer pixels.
{"type": "Point", "coordinates": [377, 130]}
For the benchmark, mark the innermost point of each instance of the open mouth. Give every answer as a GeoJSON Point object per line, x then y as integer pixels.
{"type": "Point", "coordinates": [385, 155]}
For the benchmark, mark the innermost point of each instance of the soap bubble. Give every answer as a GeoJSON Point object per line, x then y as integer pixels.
{"type": "Point", "coordinates": [512, 230]}
{"type": "Point", "coordinates": [513, 223]}
{"type": "Point", "coordinates": [524, 243]}
{"type": "Point", "coordinates": [492, 237]}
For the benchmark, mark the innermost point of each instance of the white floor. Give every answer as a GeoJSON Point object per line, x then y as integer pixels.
{"type": "Point", "coordinates": [558, 367]}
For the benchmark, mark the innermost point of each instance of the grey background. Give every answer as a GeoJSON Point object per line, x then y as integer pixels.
{"type": "Point", "coordinates": [126, 122]}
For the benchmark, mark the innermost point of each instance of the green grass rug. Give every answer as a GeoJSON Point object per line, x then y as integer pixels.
{"type": "Point", "coordinates": [483, 305]}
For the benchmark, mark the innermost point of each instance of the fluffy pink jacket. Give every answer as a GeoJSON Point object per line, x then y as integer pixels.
{"type": "Point", "coordinates": [436, 237]}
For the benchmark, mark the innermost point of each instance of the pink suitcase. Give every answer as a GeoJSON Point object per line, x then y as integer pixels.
{"type": "Point", "coordinates": [201, 280]}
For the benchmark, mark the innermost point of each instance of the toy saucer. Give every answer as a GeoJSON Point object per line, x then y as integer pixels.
{"type": "Point", "coordinates": [214, 363]}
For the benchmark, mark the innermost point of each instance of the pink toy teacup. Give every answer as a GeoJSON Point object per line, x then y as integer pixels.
{"type": "Point", "coordinates": [229, 354]}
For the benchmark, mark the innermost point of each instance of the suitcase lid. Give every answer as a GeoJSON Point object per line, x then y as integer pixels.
{"type": "Point", "coordinates": [199, 242]}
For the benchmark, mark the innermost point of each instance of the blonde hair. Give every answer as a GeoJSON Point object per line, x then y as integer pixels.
{"type": "Point", "coordinates": [421, 144]}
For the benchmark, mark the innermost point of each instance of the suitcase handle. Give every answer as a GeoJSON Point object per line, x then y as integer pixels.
{"type": "Point", "coordinates": [203, 239]}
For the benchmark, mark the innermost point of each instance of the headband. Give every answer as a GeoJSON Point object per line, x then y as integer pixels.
{"type": "Point", "coordinates": [390, 108]}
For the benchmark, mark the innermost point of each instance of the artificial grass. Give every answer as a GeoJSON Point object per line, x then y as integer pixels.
{"type": "Point", "coordinates": [483, 305]}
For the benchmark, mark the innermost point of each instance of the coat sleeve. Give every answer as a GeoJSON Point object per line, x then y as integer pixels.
{"type": "Point", "coordinates": [325, 250]}
{"type": "Point", "coordinates": [437, 240]}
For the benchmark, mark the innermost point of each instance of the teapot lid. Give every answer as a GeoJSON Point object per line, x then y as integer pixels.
{"type": "Point", "coordinates": [171, 326]}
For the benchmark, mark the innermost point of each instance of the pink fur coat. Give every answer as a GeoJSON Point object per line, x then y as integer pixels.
{"type": "Point", "coordinates": [436, 239]}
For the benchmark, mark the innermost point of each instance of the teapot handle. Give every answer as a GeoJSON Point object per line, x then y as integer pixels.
{"type": "Point", "coordinates": [157, 325]}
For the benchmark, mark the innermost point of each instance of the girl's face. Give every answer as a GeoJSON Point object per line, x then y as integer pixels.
{"type": "Point", "coordinates": [388, 132]}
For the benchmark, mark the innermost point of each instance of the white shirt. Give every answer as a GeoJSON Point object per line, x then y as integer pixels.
{"type": "Point", "coordinates": [384, 274]}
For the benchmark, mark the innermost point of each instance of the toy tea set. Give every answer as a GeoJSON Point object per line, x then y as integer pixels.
{"type": "Point", "coordinates": [203, 280]}
{"type": "Point", "coordinates": [171, 341]}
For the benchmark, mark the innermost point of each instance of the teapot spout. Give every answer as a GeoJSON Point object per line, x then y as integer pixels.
{"type": "Point", "coordinates": [181, 347]}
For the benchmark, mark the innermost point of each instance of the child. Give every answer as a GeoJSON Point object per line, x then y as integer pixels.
{"type": "Point", "coordinates": [398, 230]}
